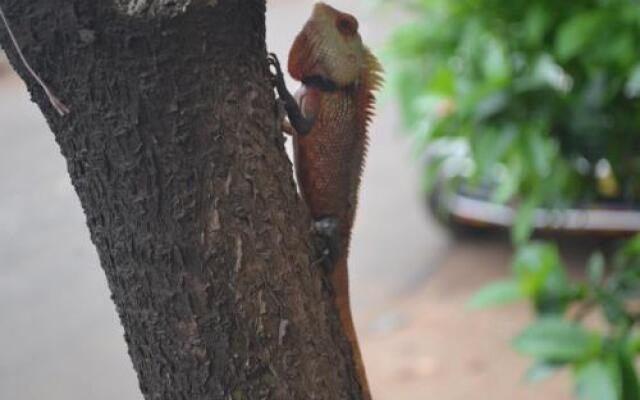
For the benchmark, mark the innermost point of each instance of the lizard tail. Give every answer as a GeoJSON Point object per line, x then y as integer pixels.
{"type": "Point", "coordinates": [340, 281]}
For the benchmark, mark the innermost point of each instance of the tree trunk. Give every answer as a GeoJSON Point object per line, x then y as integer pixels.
{"type": "Point", "coordinates": [174, 149]}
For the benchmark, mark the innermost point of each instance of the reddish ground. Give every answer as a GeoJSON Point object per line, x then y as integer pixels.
{"type": "Point", "coordinates": [428, 345]}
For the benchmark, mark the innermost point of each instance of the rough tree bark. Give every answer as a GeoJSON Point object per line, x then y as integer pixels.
{"type": "Point", "coordinates": [173, 148]}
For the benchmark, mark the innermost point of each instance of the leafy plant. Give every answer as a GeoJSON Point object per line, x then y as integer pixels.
{"type": "Point", "coordinates": [543, 96]}
{"type": "Point", "coordinates": [601, 354]}
{"type": "Point", "coordinates": [537, 103]}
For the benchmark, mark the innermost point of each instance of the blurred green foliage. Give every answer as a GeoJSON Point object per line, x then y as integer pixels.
{"type": "Point", "coordinates": [542, 99]}
{"type": "Point", "coordinates": [545, 95]}
{"type": "Point", "coordinates": [600, 350]}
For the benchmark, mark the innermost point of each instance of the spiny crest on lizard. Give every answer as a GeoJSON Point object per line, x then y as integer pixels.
{"type": "Point", "coordinates": [328, 119]}
{"type": "Point", "coordinates": [372, 81]}
{"type": "Point", "coordinates": [330, 46]}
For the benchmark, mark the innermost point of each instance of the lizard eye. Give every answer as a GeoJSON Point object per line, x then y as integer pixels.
{"type": "Point", "coordinates": [347, 25]}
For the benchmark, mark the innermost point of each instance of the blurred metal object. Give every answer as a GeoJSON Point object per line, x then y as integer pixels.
{"type": "Point", "coordinates": [477, 212]}
{"type": "Point", "coordinates": [466, 209]}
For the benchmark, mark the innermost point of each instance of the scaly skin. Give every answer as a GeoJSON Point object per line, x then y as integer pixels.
{"type": "Point", "coordinates": [330, 116]}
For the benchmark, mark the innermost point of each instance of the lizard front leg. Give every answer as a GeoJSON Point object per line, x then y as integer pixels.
{"type": "Point", "coordinates": [301, 114]}
{"type": "Point", "coordinates": [301, 124]}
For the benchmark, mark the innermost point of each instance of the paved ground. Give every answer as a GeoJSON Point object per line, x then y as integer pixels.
{"type": "Point", "coordinates": [60, 338]}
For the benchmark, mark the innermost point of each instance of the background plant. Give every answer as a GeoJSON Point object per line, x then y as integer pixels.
{"type": "Point", "coordinates": [542, 95]}
{"type": "Point", "coordinates": [589, 326]}
{"type": "Point", "coordinates": [537, 103]}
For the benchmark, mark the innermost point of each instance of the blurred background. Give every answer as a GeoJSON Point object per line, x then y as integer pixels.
{"type": "Point", "coordinates": [503, 168]}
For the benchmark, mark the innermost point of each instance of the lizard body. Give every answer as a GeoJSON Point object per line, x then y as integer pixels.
{"type": "Point", "coordinates": [330, 114]}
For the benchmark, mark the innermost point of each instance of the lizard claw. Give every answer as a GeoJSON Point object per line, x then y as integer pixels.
{"type": "Point", "coordinates": [301, 124]}
{"type": "Point", "coordinates": [273, 60]}
{"type": "Point", "coordinates": [277, 77]}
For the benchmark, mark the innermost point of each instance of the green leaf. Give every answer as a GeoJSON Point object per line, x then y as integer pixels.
{"type": "Point", "coordinates": [536, 23]}
{"type": "Point", "coordinates": [628, 375]}
{"type": "Point", "coordinates": [491, 105]}
{"type": "Point", "coordinates": [614, 308]}
{"type": "Point", "coordinates": [508, 186]}
{"type": "Point", "coordinates": [443, 81]}
{"type": "Point", "coordinates": [633, 344]}
{"type": "Point", "coordinates": [537, 267]}
{"type": "Point", "coordinates": [617, 49]}
{"type": "Point", "coordinates": [496, 65]}
{"type": "Point", "coordinates": [575, 34]}
{"type": "Point", "coordinates": [594, 382]}
{"type": "Point", "coordinates": [498, 293]}
{"type": "Point", "coordinates": [541, 371]}
{"type": "Point", "coordinates": [595, 267]}
{"type": "Point", "coordinates": [632, 88]}
{"type": "Point", "coordinates": [632, 247]}
{"type": "Point", "coordinates": [557, 340]}
{"type": "Point", "coordinates": [540, 151]}
{"type": "Point", "coordinates": [523, 224]}
{"type": "Point", "coordinates": [548, 72]}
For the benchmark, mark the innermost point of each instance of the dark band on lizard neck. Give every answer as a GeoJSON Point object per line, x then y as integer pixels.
{"type": "Point", "coordinates": [323, 84]}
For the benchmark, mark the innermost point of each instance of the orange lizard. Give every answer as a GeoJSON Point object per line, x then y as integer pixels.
{"type": "Point", "coordinates": [329, 118]}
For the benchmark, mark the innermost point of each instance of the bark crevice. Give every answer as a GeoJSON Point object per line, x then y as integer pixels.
{"type": "Point", "coordinates": [159, 8]}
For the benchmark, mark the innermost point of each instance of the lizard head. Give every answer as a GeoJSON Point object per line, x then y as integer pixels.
{"type": "Point", "coordinates": [329, 47]}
